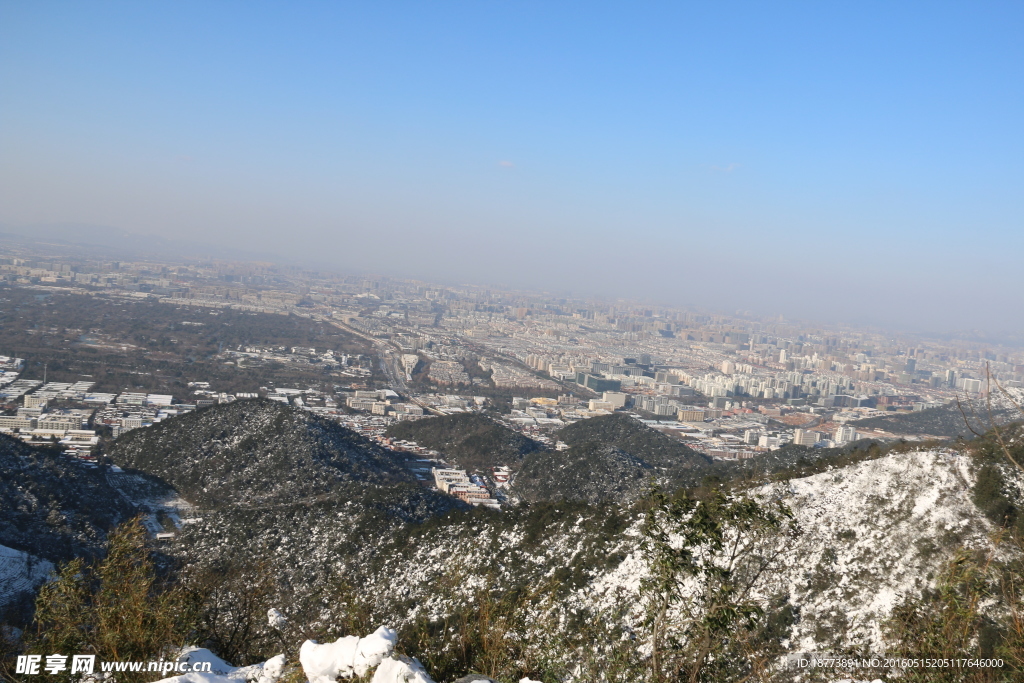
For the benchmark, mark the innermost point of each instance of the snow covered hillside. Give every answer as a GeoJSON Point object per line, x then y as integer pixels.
{"type": "Point", "coordinates": [871, 533]}
{"type": "Point", "coordinates": [874, 533]}
{"type": "Point", "coordinates": [20, 573]}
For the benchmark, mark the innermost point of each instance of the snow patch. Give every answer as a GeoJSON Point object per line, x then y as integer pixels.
{"type": "Point", "coordinates": [200, 655]}
{"type": "Point", "coordinates": [348, 656]}
{"type": "Point", "coordinates": [400, 670]}
{"type": "Point", "coordinates": [222, 672]}
{"type": "Point", "coordinates": [276, 619]}
{"type": "Point", "coordinates": [20, 573]}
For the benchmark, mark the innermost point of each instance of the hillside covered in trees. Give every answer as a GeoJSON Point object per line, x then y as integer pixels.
{"type": "Point", "coordinates": [945, 421]}
{"type": "Point", "coordinates": [308, 519]}
{"type": "Point", "coordinates": [53, 506]}
{"type": "Point", "coordinates": [258, 452]}
{"type": "Point", "coordinates": [611, 457]}
{"type": "Point", "coordinates": [470, 440]}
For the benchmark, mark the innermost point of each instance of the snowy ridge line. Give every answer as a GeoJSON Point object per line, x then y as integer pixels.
{"type": "Point", "coordinates": [874, 532]}
{"type": "Point", "coordinates": [873, 535]}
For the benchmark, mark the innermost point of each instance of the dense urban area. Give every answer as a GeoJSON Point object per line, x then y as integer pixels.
{"type": "Point", "coordinates": [97, 348]}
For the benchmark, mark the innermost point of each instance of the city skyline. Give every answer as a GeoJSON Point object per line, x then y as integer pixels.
{"type": "Point", "coordinates": [854, 165]}
{"type": "Point", "coordinates": [101, 246]}
{"type": "Point", "coordinates": [402, 346]}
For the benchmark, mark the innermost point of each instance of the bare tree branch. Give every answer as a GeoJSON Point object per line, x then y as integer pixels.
{"type": "Point", "coordinates": [995, 427]}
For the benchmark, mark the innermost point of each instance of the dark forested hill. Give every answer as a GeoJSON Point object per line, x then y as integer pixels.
{"type": "Point", "coordinates": [53, 506]}
{"type": "Point", "coordinates": [474, 442]}
{"type": "Point", "coordinates": [632, 436]}
{"type": "Point", "coordinates": [259, 452]}
{"type": "Point", "coordinates": [588, 472]}
{"type": "Point", "coordinates": [612, 457]}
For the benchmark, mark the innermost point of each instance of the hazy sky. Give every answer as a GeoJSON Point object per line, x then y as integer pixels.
{"type": "Point", "coordinates": [848, 161]}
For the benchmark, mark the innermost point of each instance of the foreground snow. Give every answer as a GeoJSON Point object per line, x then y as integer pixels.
{"type": "Point", "coordinates": [222, 672]}
{"type": "Point", "coordinates": [346, 657]}
{"type": "Point", "coordinates": [349, 656]}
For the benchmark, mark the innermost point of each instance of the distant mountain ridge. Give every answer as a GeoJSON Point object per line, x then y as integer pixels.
{"type": "Point", "coordinates": [943, 421]}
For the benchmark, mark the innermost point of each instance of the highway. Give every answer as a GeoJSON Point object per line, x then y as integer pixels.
{"type": "Point", "coordinates": [390, 364]}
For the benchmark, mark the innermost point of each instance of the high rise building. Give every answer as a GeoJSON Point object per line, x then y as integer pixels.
{"type": "Point", "coordinates": [845, 434]}
{"type": "Point", "coordinates": [805, 437]}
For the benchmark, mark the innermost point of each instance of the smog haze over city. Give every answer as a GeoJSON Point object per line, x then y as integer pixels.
{"type": "Point", "coordinates": [853, 163]}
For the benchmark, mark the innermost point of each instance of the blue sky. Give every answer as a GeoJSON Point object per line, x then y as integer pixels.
{"type": "Point", "coordinates": [845, 161]}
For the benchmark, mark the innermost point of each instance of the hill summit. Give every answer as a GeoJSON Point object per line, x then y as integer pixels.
{"type": "Point", "coordinates": [611, 457]}
{"type": "Point", "coordinates": [471, 440]}
{"type": "Point", "coordinates": [257, 452]}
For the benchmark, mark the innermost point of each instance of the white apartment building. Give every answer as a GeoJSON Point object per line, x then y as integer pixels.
{"type": "Point", "coordinates": [805, 437]}
{"type": "Point", "coordinates": [845, 434]}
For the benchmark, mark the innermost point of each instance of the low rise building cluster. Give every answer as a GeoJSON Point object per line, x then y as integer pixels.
{"type": "Point", "coordinates": [448, 372]}
{"type": "Point", "coordinates": [459, 484]}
